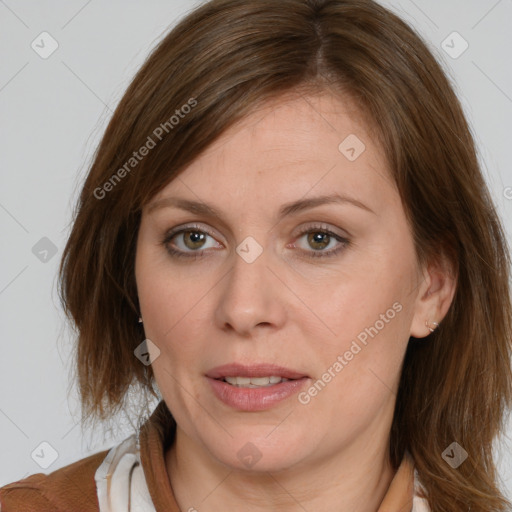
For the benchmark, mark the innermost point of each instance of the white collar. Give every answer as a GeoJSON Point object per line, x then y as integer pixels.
{"type": "Point", "coordinates": [120, 481]}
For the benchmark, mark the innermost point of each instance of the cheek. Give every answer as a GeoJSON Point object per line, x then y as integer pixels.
{"type": "Point", "coordinates": [369, 318]}
{"type": "Point", "coordinates": [170, 306]}
{"type": "Point", "coordinates": [357, 303]}
{"type": "Point", "coordinates": [366, 365]}
{"type": "Point", "coordinates": [157, 297]}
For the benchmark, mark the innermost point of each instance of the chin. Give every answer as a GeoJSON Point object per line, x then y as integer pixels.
{"type": "Point", "coordinates": [255, 450]}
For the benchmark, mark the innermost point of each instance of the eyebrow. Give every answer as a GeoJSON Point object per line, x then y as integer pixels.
{"type": "Point", "coordinates": [202, 208]}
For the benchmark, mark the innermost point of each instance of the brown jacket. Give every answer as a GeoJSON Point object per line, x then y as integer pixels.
{"type": "Point", "coordinates": [73, 487]}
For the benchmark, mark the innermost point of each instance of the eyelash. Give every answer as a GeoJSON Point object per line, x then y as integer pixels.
{"type": "Point", "coordinates": [195, 255]}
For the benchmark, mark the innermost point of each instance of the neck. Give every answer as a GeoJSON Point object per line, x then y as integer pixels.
{"type": "Point", "coordinates": [355, 480]}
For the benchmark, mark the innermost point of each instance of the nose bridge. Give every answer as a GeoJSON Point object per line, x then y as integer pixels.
{"type": "Point", "coordinates": [247, 298]}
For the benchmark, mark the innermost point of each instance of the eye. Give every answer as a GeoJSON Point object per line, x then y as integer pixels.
{"type": "Point", "coordinates": [194, 241]}
{"type": "Point", "coordinates": [189, 241]}
{"type": "Point", "coordinates": [318, 239]}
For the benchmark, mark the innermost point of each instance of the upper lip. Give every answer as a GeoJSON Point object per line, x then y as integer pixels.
{"type": "Point", "coordinates": [255, 370]}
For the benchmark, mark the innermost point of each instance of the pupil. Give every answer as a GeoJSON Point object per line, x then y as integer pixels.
{"type": "Point", "coordinates": [319, 238]}
{"type": "Point", "coordinates": [195, 238]}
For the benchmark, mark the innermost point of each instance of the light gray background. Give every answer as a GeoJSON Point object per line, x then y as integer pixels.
{"type": "Point", "coordinates": [53, 112]}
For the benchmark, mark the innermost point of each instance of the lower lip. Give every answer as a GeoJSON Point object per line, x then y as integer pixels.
{"type": "Point", "coordinates": [255, 399]}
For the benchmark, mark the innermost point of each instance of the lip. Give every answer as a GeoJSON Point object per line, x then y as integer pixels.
{"type": "Point", "coordinates": [257, 370]}
{"type": "Point", "coordinates": [254, 399]}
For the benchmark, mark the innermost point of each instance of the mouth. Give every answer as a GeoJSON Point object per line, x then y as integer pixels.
{"type": "Point", "coordinates": [263, 374]}
{"type": "Point", "coordinates": [254, 382]}
{"type": "Point", "coordinates": [255, 387]}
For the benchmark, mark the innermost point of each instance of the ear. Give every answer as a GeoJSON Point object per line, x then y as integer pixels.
{"type": "Point", "coordinates": [438, 282]}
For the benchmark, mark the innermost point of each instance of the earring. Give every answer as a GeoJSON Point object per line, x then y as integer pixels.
{"type": "Point", "coordinates": [140, 319]}
{"type": "Point", "coordinates": [435, 324]}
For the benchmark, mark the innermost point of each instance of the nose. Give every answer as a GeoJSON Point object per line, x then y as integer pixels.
{"type": "Point", "coordinates": [251, 298]}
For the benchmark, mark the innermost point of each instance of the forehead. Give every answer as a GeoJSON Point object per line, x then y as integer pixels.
{"type": "Point", "coordinates": [289, 147]}
{"type": "Point", "coordinates": [292, 126]}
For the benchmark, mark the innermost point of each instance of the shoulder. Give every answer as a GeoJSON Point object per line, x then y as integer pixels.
{"type": "Point", "coordinates": [72, 487]}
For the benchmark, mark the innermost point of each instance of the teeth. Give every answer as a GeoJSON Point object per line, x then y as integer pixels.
{"type": "Point", "coordinates": [254, 382]}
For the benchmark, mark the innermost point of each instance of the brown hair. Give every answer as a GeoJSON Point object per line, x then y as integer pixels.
{"type": "Point", "coordinates": [224, 59]}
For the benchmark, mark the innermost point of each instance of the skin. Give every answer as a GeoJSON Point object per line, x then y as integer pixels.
{"type": "Point", "coordinates": [286, 307]}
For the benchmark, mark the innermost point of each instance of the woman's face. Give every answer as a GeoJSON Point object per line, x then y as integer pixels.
{"type": "Point", "coordinates": [282, 251]}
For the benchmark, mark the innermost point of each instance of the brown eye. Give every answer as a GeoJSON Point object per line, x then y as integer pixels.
{"type": "Point", "coordinates": [193, 239]}
{"type": "Point", "coordinates": [318, 240]}
{"type": "Point", "coordinates": [189, 242]}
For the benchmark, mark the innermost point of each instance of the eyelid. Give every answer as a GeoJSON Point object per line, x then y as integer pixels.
{"type": "Point", "coordinates": [343, 240]}
{"type": "Point", "coordinates": [190, 227]}
{"type": "Point", "coordinates": [187, 255]}
{"type": "Point", "coordinates": [322, 226]}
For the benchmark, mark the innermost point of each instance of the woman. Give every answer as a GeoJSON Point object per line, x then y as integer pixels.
{"type": "Point", "coordinates": [285, 235]}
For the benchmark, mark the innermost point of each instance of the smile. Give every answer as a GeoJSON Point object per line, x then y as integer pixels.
{"type": "Point", "coordinates": [254, 382]}
{"type": "Point", "coordinates": [256, 387]}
